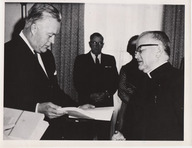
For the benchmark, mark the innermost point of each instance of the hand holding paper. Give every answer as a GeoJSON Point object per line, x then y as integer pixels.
{"type": "Point", "coordinates": [97, 97]}
{"type": "Point", "coordinates": [50, 110]}
{"type": "Point", "coordinates": [87, 106]}
{"type": "Point", "coordinates": [99, 113]}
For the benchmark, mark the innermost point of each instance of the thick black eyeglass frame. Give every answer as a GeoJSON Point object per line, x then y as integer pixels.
{"type": "Point", "coordinates": [138, 50]}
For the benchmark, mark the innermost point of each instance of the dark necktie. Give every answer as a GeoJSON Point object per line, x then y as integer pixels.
{"type": "Point", "coordinates": [35, 54]}
{"type": "Point", "coordinates": [97, 60]}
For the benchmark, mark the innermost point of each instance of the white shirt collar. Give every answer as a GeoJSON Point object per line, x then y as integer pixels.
{"type": "Point", "coordinates": [93, 56]}
{"type": "Point", "coordinates": [32, 50]}
{"type": "Point", "coordinates": [26, 41]}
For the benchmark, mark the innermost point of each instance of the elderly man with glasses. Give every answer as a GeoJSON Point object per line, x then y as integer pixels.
{"type": "Point", "coordinates": [159, 105]}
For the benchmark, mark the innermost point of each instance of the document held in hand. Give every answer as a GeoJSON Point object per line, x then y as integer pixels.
{"type": "Point", "coordinates": [23, 125]}
{"type": "Point", "coordinates": [99, 113]}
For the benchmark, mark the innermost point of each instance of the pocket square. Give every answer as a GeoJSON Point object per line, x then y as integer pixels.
{"type": "Point", "coordinates": [55, 73]}
{"type": "Point", "coordinates": [108, 66]}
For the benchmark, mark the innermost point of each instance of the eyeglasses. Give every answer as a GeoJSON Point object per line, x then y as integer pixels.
{"type": "Point", "coordinates": [97, 43]}
{"type": "Point", "coordinates": [139, 50]}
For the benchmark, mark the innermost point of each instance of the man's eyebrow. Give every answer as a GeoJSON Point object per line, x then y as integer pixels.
{"type": "Point", "coordinates": [52, 33]}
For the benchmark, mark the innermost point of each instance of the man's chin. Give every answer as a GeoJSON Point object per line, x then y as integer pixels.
{"type": "Point", "coordinates": [142, 69]}
{"type": "Point", "coordinates": [44, 50]}
{"type": "Point", "coordinates": [145, 70]}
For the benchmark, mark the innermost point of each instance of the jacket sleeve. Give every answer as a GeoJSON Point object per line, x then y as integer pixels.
{"type": "Point", "coordinates": [178, 95]}
{"type": "Point", "coordinates": [15, 91]}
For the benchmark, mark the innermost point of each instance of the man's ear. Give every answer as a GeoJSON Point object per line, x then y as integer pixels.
{"type": "Point", "coordinates": [33, 29]}
{"type": "Point", "coordinates": [159, 51]}
{"type": "Point", "coordinates": [90, 43]}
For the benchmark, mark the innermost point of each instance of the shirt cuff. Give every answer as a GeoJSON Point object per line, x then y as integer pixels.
{"type": "Point", "coordinates": [36, 108]}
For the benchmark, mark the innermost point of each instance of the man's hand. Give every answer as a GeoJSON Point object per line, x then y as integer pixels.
{"type": "Point", "coordinates": [50, 110]}
{"type": "Point", "coordinates": [97, 97]}
{"type": "Point", "coordinates": [118, 136]}
{"type": "Point", "coordinates": [87, 106]}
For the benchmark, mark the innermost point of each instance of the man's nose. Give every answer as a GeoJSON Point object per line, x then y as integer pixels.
{"type": "Point", "coordinates": [52, 39]}
{"type": "Point", "coordinates": [136, 55]}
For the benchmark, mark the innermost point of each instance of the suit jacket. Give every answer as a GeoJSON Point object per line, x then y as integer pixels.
{"type": "Point", "coordinates": [158, 107]}
{"type": "Point", "coordinates": [91, 78]}
{"type": "Point", "coordinates": [25, 82]}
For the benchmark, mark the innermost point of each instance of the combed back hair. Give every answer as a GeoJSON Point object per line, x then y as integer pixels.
{"type": "Point", "coordinates": [39, 10]}
{"type": "Point", "coordinates": [96, 34]}
{"type": "Point", "coordinates": [160, 36]}
{"type": "Point", "coordinates": [131, 47]}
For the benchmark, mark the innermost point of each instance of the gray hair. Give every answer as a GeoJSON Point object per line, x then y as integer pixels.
{"type": "Point", "coordinates": [160, 36]}
{"type": "Point", "coordinates": [38, 11]}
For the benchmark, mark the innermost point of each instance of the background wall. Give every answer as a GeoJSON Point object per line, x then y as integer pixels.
{"type": "Point", "coordinates": [118, 23]}
{"type": "Point", "coordinates": [12, 15]}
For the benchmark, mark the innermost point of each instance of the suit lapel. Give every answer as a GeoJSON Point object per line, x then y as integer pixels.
{"type": "Point", "coordinates": [90, 58]}
{"type": "Point", "coordinates": [46, 66]}
{"type": "Point", "coordinates": [31, 56]}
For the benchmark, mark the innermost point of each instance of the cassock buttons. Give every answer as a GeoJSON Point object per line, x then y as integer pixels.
{"type": "Point", "coordinates": [155, 99]}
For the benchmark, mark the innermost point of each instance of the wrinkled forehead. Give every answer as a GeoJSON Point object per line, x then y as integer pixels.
{"type": "Point", "coordinates": [50, 24]}
{"type": "Point", "coordinates": [146, 39]}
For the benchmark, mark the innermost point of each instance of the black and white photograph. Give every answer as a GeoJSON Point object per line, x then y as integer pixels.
{"type": "Point", "coordinates": [96, 73]}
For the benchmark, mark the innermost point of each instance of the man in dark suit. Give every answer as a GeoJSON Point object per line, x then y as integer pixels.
{"type": "Point", "coordinates": [159, 105]}
{"type": "Point", "coordinates": [30, 81]}
{"type": "Point", "coordinates": [95, 79]}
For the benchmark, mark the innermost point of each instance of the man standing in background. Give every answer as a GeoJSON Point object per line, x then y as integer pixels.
{"type": "Point", "coordinates": [96, 80]}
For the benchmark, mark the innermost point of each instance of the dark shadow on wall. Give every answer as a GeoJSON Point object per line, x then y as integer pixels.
{"type": "Point", "coordinates": [18, 27]}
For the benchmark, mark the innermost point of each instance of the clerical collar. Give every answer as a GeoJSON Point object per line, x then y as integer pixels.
{"type": "Point", "coordinates": [98, 56]}
{"type": "Point", "coordinates": [149, 73]}
{"type": "Point", "coordinates": [26, 41]}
